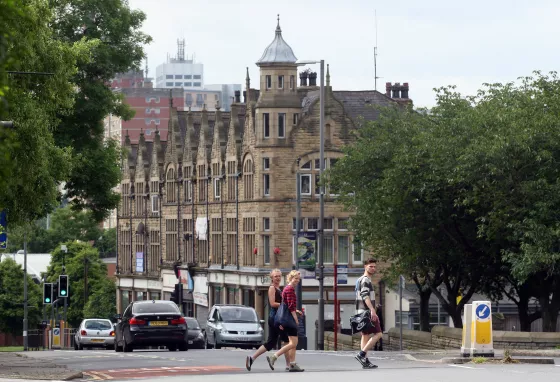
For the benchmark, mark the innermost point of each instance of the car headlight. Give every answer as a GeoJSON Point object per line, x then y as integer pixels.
{"type": "Point", "coordinates": [200, 335]}
{"type": "Point", "coordinates": [260, 329]}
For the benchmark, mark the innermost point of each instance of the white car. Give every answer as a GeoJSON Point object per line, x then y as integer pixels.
{"type": "Point", "coordinates": [95, 332]}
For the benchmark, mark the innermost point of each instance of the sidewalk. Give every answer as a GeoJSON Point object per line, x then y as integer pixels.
{"type": "Point", "coordinates": [19, 366]}
{"type": "Point", "coordinates": [454, 356]}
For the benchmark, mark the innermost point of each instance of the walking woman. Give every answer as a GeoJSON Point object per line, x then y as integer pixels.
{"type": "Point", "coordinates": [274, 300]}
{"type": "Point", "coordinates": [289, 298]}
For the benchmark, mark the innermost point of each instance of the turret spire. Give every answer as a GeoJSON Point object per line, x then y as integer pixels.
{"type": "Point", "coordinates": [328, 76]}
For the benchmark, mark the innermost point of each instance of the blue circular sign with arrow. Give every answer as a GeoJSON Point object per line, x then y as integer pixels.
{"type": "Point", "coordinates": [483, 311]}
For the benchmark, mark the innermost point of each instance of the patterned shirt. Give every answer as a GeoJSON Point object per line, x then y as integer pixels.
{"type": "Point", "coordinates": [364, 289]}
{"type": "Point", "coordinates": [289, 297]}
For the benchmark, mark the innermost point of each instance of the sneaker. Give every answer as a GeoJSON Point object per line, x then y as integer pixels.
{"type": "Point", "coordinates": [362, 360]}
{"type": "Point", "coordinates": [271, 361]}
{"type": "Point", "coordinates": [369, 365]}
{"type": "Point", "coordinates": [294, 367]}
{"type": "Point", "coordinates": [287, 368]}
{"type": "Point", "coordinates": [248, 363]}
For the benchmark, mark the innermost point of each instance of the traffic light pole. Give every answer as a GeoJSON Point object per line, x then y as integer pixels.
{"type": "Point", "coordinates": [25, 338]}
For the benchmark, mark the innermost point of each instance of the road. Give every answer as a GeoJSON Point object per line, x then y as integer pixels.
{"type": "Point", "coordinates": [211, 365]}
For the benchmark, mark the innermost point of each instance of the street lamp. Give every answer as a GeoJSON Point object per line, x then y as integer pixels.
{"type": "Point", "coordinates": [321, 301]}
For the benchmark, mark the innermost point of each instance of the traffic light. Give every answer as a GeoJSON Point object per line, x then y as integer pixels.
{"type": "Point", "coordinates": [47, 293]}
{"type": "Point", "coordinates": [63, 286]}
{"type": "Point", "coordinates": [177, 294]}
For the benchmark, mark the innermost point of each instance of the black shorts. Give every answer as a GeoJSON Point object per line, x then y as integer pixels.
{"type": "Point", "coordinates": [287, 332]}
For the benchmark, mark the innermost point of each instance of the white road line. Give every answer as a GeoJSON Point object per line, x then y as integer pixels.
{"type": "Point", "coordinates": [465, 367]}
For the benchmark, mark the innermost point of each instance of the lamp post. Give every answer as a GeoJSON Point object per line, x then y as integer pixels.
{"type": "Point", "coordinates": [208, 181]}
{"type": "Point", "coordinates": [321, 301]}
{"type": "Point", "coordinates": [25, 313]}
{"type": "Point", "coordinates": [131, 205]}
{"type": "Point", "coordinates": [160, 184]}
{"type": "Point", "coordinates": [299, 292]}
{"type": "Point", "coordinates": [179, 181]}
{"type": "Point", "coordinates": [64, 248]}
{"type": "Point", "coordinates": [237, 218]}
{"type": "Point", "coordinates": [146, 231]}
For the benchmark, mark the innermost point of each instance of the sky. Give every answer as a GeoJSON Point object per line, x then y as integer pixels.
{"type": "Point", "coordinates": [429, 43]}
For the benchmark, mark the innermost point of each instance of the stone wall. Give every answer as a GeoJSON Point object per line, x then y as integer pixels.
{"type": "Point", "coordinates": [443, 337]}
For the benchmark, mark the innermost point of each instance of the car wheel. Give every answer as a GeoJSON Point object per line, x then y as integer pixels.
{"type": "Point", "coordinates": [118, 349]}
{"type": "Point", "coordinates": [216, 346]}
{"type": "Point", "coordinates": [75, 345]}
{"type": "Point", "coordinates": [183, 347]}
{"type": "Point", "coordinates": [172, 348]}
{"type": "Point", "coordinates": [80, 346]}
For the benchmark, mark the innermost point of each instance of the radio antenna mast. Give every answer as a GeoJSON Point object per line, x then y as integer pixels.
{"type": "Point", "coordinates": [375, 53]}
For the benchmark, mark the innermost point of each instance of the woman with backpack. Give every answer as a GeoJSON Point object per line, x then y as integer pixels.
{"type": "Point", "coordinates": [274, 301]}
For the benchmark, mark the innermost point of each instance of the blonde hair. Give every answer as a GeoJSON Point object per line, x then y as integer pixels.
{"type": "Point", "coordinates": [292, 275]}
{"type": "Point", "coordinates": [274, 271]}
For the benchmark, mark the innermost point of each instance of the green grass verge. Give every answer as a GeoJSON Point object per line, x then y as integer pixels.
{"type": "Point", "coordinates": [11, 348]}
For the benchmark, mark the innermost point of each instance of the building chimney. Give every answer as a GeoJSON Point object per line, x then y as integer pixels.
{"type": "Point", "coordinates": [303, 79]}
{"type": "Point", "coordinates": [388, 87]}
{"type": "Point", "coordinates": [404, 90]}
{"type": "Point", "coordinates": [313, 79]}
{"type": "Point", "coordinates": [397, 90]}
{"type": "Point", "coordinates": [244, 96]}
{"type": "Point", "coordinates": [237, 96]}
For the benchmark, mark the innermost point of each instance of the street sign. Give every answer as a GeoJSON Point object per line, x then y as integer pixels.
{"type": "Point", "coordinates": [482, 311]}
{"type": "Point", "coordinates": [482, 341]}
{"type": "Point", "coordinates": [342, 274]}
{"type": "Point", "coordinates": [3, 233]}
{"type": "Point", "coordinates": [139, 262]}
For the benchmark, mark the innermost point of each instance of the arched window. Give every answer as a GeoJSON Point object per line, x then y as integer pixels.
{"type": "Point", "coordinates": [248, 170]}
{"type": "Point", "coordinates": [170, 186]}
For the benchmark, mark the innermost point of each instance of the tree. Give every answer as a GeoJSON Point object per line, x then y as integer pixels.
{"type": "Point", "coordinates": [36, 104]}
{"type": "Point", "coordinates": [80, 257]}
{"type": "Point", "coordinates": [103, 301]}
{"type": "Point", "coordinates": [66, 224]}
{"type": "Point", "coordinates": [117, 27]}
{"type": "Point", "coordinates": [465, 195]}
{"type": "Point", "coordinates": [11, 298]}
{"type": "Point", "coordinates": [107, 243]}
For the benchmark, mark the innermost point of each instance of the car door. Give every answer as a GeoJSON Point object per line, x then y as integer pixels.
{"type": "Point", "coordinates": [124, 330]}
{"type": "Point", "coordinates": [210, 327]}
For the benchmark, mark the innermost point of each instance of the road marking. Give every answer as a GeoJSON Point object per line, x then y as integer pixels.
{"type": "Point", "coordinates": [465, 367]}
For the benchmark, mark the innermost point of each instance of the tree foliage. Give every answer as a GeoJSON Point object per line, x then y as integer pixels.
{"type": "Point", "coordinates": [11, 298]}
{"type": "Point", "coordinates": [464, 196]}
{"type": "Point", "coordinates": [80, 255]}
{"type": "Point", "coordinates": [102, 303]}
{"type": "Point", "coordinates": [117, 28]}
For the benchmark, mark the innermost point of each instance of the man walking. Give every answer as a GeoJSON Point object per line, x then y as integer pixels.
{"type": "Point", "coordinates": [365, 300]}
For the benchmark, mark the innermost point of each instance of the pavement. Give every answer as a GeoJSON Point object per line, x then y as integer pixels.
{"type": "Point", "coordinates": [212, 365]}
{"type": "Point", "coordinates": [20, 366]}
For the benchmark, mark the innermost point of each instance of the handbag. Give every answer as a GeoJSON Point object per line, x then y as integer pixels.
{"type": "Point", "coordinates": [361, 321]}
{"type": "Point", "coordinates": [284, 317]}
{"type": "Point", "coordinates": [272, 315]}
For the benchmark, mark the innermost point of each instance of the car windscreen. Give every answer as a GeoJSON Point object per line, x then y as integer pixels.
{"type": "Point", "coordinates": [238, 314]}
{"type": "Point", "coordinates": [155, 308]}
{"type": "Point", "coordinates": [192, 323]}
{"type": "Point", "coordinates": [98, 325]}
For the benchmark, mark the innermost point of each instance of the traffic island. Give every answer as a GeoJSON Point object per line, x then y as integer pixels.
{"type": "Point", "coordinates": [17, 365]}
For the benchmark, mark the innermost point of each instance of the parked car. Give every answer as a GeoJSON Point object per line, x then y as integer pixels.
{"type": "Point", "coordinates": [151, 323]}
{"type": "Point", "coordinates": [233, 326]}
{"type": "Point", "coordinates": [196, 337]}
{"type": "Point", "coordinates": [94, 332]}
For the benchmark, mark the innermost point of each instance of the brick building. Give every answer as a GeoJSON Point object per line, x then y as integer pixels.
{"type": "Point", "coordinates": [219, 195]}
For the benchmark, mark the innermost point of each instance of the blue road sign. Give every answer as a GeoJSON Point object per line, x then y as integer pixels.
{"type": "Point", "coordinates": [483, 311]}
{"type": "Point", "coordinates": [3, 234]}
{"type": "Point", "coordinates": [56, 331]}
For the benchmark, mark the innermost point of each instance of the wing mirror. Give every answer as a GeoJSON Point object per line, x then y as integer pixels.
{"type": "Point", "coordinates": [117, 316]}
{"type": "Point", "coordinates": [262, 322]}
{"type": "Point", "coordinates": [211, 320]}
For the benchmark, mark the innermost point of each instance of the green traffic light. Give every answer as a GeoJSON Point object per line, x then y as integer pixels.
{"type": "Point", "coordinates": [63, 292]}
{"type": "Point", "coordinates": [47, 300]}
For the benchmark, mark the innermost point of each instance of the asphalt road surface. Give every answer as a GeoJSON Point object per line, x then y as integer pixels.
{"type": "Point", "coordinates": [211, 365]}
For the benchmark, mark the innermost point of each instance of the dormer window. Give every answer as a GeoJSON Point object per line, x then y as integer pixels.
{"type": "Point", "coordinates": [268, 81]}
{"type": "Point", "coordinates": [280, 82]}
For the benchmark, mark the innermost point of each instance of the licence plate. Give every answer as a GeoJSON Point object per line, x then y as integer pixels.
{"type": "Point", "coordinates": [97, 340]}
{"type": "Point", "coordinates": [242, 339]}
{"type": "Point", "coordinates": [158, 323]}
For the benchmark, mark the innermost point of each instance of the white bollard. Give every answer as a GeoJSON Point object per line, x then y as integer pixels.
{"type": "Point", "coordinates": [466, 343]}
{"type": "Point", "coordinates": [481, 335]}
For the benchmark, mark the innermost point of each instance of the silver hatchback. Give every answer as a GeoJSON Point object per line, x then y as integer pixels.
{"type": "Point", "coordinates": [95, 332]}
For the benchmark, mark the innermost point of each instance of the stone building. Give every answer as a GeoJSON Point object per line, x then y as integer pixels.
{"type": "Point", "coordinates": [219, 197]}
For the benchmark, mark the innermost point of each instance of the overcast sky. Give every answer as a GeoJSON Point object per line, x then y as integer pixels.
{"type": "Point", "coordinates": [427, 43]}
